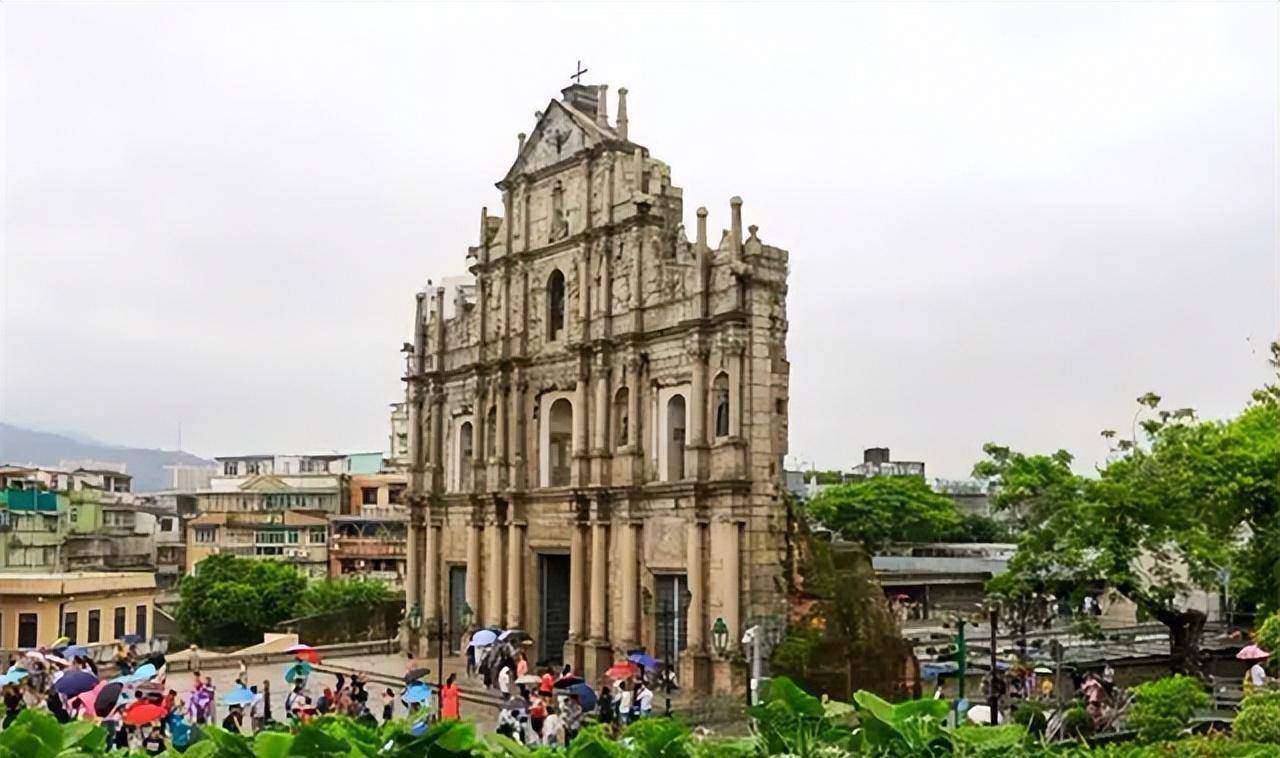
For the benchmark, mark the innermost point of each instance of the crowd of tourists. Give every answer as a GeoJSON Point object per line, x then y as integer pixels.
{"type": "Point", "coordinates": [549, 706]}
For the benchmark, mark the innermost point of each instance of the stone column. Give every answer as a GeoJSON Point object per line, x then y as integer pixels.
{"type": "Point", "coordinates": [696, 449]}
{"type": "Point", "coordinates": [432, 609]}
{"type": "Point", "coordinates": [599, 581]}
{"type": "Point", "coordinates": [725, 547]}
{"type": "Point", "coordinates": [633, 404]}
{"type": "Point", "coordinates": [696, 576]}
{"type": "Point", "coordinates": [493, 577]}
{"type": "Point", "coordinates": [630, 632]}
{"type": "Point", "coordinates": [515, 579]}
{"type": "Point", "coordinates": [580, 453]}
{"type": "Point", "coordinates": [412, 596]}
{"type": "Point", "coordinates": [473, 571]}
{"type": "Point", "coordinates": [577, 583]}
{"type": "Point", "coordinates": [735, 349]}
{"type": "Point", "coordinates": [518, 454]}
{"type": "Point", "coordinates": [600, 415]}
{"type": "Point", "coordinates": [479, 424]}
{"type": "Point", "coordinates": [501, 439]}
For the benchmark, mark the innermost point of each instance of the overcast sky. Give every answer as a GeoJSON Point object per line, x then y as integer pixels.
{"type": "Point", "coordinates": [1006, 221]}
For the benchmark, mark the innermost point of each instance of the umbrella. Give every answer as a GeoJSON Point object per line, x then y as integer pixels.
{"type": "Point", "coordinates": [239, 696]}
{"type": "Point", "coordinates": [143, 673]}
{"type": "Point", "coordinates": [413, 675]}
{"type": "Point", "coordinates": [622, 670]}
{"type": "Point", "coordinates": [144, 713]}
{"type": "Point", "coordinates": [515, 704]}
{"type": "Point", "coordinates": [419, 728]}
{"type": "Point", "coordinates": [1043, 670]}
{"type": "Point", "coordinates": [13, 677]}
{"type": "Point", "coordinates": [416, 693]}
{"type": "Point", "coordinates": [131, 639]}
{"type": "Point", "coordinates": [298, 647]}
{"type": "Point", "coordinates": [310, 656]}
{"type": "Point", "coordinates": [155, 659]}
{"type": "Point", "coordinates": [644, 660]}
{"type": "Point", "coordinates": [529, 679]}
{"type": "Point", "coordinates": [106, 698]}
{"type": "Point", "coordinates": [73, 683]}
{"type": "Point", "coordinates": [513, 635]}
{"type": "Point", "coordinates": [299, 670]}
{"type": "Point", "coordinates": [565, 682]}
{"type": "Point", "coordinates": [586, 696]}
{"type": "Point", "coordinates": [483, 637]}
{"type": "Point", "coordinates": [75, 651]}
{"type": "Point", "coordinates": [60, 642]}
{"type": "Point", "coordinates": [981, 714]}
{"type": "Point", "coordinates": [1252, 653]}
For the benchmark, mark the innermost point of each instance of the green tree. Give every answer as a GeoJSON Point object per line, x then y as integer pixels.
{"type": "Point", "coordinates": [231, 601]}
{"type": "Point", "coordinates": [887, 509]}
{"type": "Point", "coordinates": [1175, 506]}
{"type": "Point", "coordinates": [343, 594]}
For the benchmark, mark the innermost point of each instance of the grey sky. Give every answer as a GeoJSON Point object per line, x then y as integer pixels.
{"type": "Point", "coordinates": [1006, 221]}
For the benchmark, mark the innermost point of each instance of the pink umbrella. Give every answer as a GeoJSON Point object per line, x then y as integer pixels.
{"type": "Point", "coordinates": [1252, 653]}
{"type": "Point", "coordinates": [86, 701]}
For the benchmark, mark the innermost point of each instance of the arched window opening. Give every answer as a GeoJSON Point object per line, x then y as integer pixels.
{"type": "Point", "coordinates": [620, 421]}
{"type": "Point", "coordinates": [491, 433]}
{"type": "Point", "coordinates": [466, 448]}
{"type": "Point", "coordinates": [720, 401]}
{"type": "Point", "coordinates": [555, 305]}
{"type": "Point", "coordinates": [560, 439]}
{"type": "Point", "coordinates": [676, 437]}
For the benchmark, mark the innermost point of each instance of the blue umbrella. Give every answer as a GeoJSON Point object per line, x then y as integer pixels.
{"type": "Point", "coordinates": [239, 696]}
{"type": "Point", "coordinates": [131, 639]}
{"type": "Point", "coordinates": [483, 637]}
{"type": "Point", "coordinates": [73, 683]}
{"type": "Point", "coordinates": [419, 728]}
{"type": "Point", "coordinates": [586, 696]}
{"type": "Point", "coordinates": [644, 660]}
{"type": "Point", "coordinates": [416, 693]}
{"type": "Point", "coordinates": [143, 673]}
{"type": "Point", "coordinates": [75, 651]}
{"type": "Point", "coordinates": [13, 677]}
{"type": "Point", "coordinates": [299, 670]}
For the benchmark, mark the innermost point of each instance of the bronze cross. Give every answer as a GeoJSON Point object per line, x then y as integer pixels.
{"type": "Point", "coordinates": [577, 77]}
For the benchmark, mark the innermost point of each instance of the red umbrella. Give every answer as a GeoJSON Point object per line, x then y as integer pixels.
{"type": "Point", "coordinates": [622, 670]}
{"type": "Point", "coordinates": [310, 656]}
{"type": "Point", "coordinates": [144, 713]}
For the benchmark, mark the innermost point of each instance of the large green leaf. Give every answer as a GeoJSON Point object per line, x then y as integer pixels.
{"type": "Point", "coordinates": [874, 705]}
{"type": "Point", "coordinates": [783, 690]}
{"type": "Point", "coordinates": [85, 736]}
{"type": "Point", "coordinates": [272, 744]}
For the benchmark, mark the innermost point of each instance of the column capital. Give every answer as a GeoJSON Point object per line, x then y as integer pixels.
{"type": "Point", "coordinates": [696, 346]}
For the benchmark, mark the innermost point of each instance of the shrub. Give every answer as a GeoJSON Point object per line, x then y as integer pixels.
{"type": "Point", "coordinates": [1031, 716]}
{"type": "Point", "coordinates": [1268, 635]}
{"type": "Point", "coordinates": [1259, 719]}
{"type": "Point", "coordinates": [1077, 723]}
{"type": "Point", "coordinates": [1163, 708]}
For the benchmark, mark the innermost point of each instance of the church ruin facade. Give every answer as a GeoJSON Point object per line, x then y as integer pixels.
{"type": "Point", "coordinates": [597, 417]}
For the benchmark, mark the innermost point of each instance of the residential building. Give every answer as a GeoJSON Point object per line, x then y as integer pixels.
{"type": "Point", "coordinates": [370, 540]}
{"type": "Point", "coordinates": [33, 525]}
{"type": "Point", "coordinates": [90, 608]}
{"type": "Point", "coordinates": [294, 536]}
{"type": "Point", "coordinates": [876, 462]}
{"type": "Point", "coordinates": [597, 432]}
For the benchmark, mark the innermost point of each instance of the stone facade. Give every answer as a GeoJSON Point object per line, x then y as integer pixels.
{"type": "Point", "coordinates": [597, 428]}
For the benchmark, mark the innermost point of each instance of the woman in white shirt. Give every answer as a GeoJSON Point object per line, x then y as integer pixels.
{"type": "Point", "coordinates": [623, 700]}
{"type": "Point", "coordinates": [552, 727]}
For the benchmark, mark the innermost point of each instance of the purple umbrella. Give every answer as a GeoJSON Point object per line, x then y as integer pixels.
{"type": "Point", "coordinates": [73, 683]}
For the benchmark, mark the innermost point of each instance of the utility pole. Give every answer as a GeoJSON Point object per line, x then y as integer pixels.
{"type": "Point", "coordinates": [962, 671]}
{"type": "Point", "coordinates": [993, 698]}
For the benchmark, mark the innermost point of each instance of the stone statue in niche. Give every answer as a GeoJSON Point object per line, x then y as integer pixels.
{"type": "Point", "coordinates": [559, 222]}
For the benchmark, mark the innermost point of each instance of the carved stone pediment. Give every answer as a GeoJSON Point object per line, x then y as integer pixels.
{"type": "Point", "coordinates": [558, 135]}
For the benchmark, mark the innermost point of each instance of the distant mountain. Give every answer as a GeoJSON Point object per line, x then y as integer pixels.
{"type": "Point", "coordinates": [18, 445]}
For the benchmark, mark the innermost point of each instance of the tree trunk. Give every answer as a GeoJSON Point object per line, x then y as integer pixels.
{"type": "Point", "coordinates": [1186, 628]}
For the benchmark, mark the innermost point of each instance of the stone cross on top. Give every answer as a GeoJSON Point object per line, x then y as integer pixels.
{"type": "Point", "coordinates": [577, 75]}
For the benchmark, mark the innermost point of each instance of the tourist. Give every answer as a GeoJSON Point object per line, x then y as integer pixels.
{"type": "Point", "coordinates": [449, 699]}
{"type": "Point", "coordinates": [232, 721]}
{"type": "Point", "coordinates": [1256, 677]}
{"type": "Point", "coordinates": [294, 700]}
{"type": "Point", "coordinates": [267, 717]}
{"type": "Point", "coordinates": [572, 717]}
{"type": "Point", "coordinates": [623, 701]}
{"type": "Point", "coordinates": [643, 700]}
{"type": "Point", "coordinates": [552, 728]}
{"type": "Point", "coordinates": [388, 704]}
{"type": "Point", "coordinates": [153, 741]}
{"type": "Point", "coordinates": [121, 659]}
{"type": "Point", "coordinates": [504, 679]}
{"type": "Point", "coordinates": [548, 681]}
{"type": "Point", "coordinates": [257, 711]}
{"type": "Point", "coordinates": [605, 704]}
{"type": "Point", "coordinates": [522, 665]}
{"type": "Point", "coordinates": [242, 678]}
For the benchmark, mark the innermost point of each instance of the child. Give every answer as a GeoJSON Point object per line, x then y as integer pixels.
{"type": "Point", "coordinates": [152, 742]}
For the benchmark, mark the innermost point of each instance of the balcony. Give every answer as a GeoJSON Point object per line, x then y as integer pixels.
{"type": "Point", "coordinates": [366, 547]}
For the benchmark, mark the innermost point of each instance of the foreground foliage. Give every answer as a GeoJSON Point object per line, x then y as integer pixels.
{"type": "Point", "coordinates": [791, 723]}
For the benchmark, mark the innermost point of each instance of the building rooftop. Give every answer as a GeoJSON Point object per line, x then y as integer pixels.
{"type": "Point", "coordinates": [72, 582]}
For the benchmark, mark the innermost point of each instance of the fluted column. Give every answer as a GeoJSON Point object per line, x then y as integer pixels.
{"type": "Point", "coordinates": [412, 592]}
{"type": "Point", "coordinates": [600, 411]}
{"type": "Point", "coordinates": [599, 581]}
{"type": "Point", "coordinates": [633, 404]}
{"type": "Point", "coordinates": [493, 577]}
{"type": "Point", "coordinates": [735, 389]}
{"type": "Point", "coordinates": [698, 403]}
{"type": "Point", "coordinates": [515, 577]}
{"type": "Point", "coordinates": [577, 583]}
{"type": "Point", "coordinates": [630, 585]}
{"type": "Point", "coordinates": [696, 575]}
{"type": "Point", "coordinates": [473, 571]}
{"type": "Point", "coordinates": [726, 550]}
